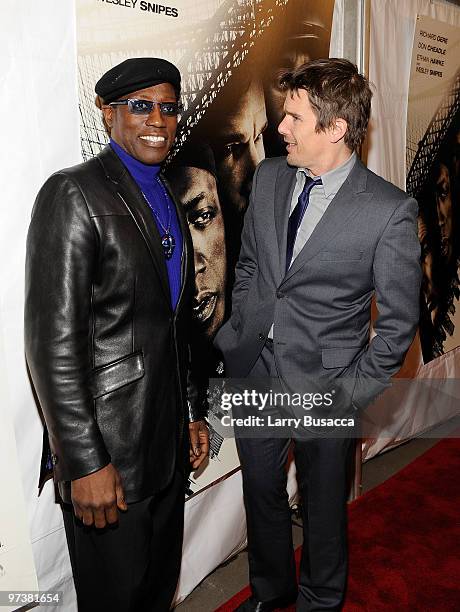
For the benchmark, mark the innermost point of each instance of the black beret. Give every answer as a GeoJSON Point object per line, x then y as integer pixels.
{"type": "Point", "coordinates": [134, 74]}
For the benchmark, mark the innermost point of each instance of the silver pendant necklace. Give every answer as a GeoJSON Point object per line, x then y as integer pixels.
{"type": "Point", "coordinates": [168, 241]}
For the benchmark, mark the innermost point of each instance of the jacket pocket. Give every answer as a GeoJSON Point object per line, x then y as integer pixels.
{"type": "Point", "coordinates": [117, 374]}
{"type": "Point", "coordinates": [349, 255]}
{"type": "Point", "coordinates": [339, 357]}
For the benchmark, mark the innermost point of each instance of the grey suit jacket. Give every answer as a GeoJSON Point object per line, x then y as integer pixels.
{"type": "Point", "coordinates": [366, 243]}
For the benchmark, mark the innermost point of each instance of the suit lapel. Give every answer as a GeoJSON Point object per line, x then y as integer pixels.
{"type": "Point", "coordinates": [133, 200]}
{"type": "Point", "coordinates": [344, 206]}
{"type": "Point", "coordinates": [284, 188]}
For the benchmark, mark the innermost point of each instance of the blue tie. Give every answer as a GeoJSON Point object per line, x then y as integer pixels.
{"type": "Point", "coordinates": [296, 217]}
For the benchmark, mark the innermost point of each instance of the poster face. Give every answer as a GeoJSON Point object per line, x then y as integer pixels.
{"type": "Point", "coordinates": [433, 171]}
{"type": "Point", "coordinates": [230, 54]}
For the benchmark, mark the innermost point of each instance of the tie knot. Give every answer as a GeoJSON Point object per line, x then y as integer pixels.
{"type": "Point", "coordinates": [310, 183]}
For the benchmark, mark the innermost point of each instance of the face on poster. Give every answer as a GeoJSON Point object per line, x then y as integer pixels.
{"type": "Point", "coordinates": [239, 126]}
{"type": "Point", "coordinates": [230, 55]}
{"type": "Point", "coordinates": [433, 135]}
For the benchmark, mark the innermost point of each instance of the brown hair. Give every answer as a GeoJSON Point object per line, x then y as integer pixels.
{"type": "Point", "coordinates": [335, 90]}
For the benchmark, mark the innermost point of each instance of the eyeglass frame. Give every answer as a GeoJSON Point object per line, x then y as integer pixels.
{"type": "Point", "coordinates": [150, 103]}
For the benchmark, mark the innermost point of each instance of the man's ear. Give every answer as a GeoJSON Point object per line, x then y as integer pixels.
{"type": "Point", "coordinates": [107, 111]}
{"type": "Point", "coordinates": [338, 129]}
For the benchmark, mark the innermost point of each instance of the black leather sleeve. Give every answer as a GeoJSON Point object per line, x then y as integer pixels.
{"type": "Point", "coordinates": [61, 261]}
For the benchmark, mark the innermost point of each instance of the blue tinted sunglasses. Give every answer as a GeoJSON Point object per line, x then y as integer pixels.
{"type": "Point", "coordinates": [145, 107]}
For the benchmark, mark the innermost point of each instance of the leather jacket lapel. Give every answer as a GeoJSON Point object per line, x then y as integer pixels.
{"type": "Point", "coordinates": [136, 205]}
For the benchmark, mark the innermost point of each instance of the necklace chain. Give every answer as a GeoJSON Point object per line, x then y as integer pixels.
{"type": "Point", "coordinates": [167, 240]}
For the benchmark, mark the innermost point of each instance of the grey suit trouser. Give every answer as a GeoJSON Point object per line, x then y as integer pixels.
{"type": "Point", "coordinates": [322, 475]}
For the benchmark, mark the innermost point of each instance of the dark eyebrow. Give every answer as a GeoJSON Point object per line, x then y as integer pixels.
{"type": "Point", "coordinates": [190, 204]}
{"type": "Point", "coordinates": [295, 115]}
{"type": "Point", "coordinates": [233, 137]}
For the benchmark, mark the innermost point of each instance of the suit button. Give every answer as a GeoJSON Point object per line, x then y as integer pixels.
{"type": "Point", "coordinates": [280, 295]}
{"type": "Point", "coordinates": [54, 459]}
{"type": "Point", "coordinates": [261, 337]}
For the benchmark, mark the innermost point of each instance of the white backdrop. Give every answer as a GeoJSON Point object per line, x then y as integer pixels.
{"type": "Point", "coordinates": [39, 113]}
{"type": "Point", "coordinates": [38, 105]}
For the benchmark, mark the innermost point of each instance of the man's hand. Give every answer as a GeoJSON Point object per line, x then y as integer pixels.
{"type": "Point", "coordinates": [199, 443]}
{"type": "Point", "coordinates": [97, 497]}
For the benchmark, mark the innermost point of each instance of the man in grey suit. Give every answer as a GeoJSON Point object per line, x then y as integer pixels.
{"type": "Point", "coordinates": [322, 236]}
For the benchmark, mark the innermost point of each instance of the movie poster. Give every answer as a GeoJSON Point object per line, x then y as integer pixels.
{"type": "Point", "coordinates": [433, 168]}
{"type": "Point", "coordinates": [230, 54]}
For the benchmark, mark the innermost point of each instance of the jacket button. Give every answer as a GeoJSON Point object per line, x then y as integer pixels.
{"type": "Point", "coordinates": [54, 459]}
{"type": "Point", "coordinates": [261, 337]}
{"type": "Point", "coordinates": [280, 295]}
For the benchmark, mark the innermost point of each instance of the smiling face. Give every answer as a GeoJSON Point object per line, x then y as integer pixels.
{"type": "Point", "coordinates": [319, 151]}
{"type": "Point", "coordinates": [196, 189]}
{"type": "Point", "coordinates": [147, 138]}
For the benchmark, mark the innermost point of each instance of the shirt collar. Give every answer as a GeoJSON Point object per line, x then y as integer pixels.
{"type": "Point", "coordinates": [141, 173]}
{"type": "Point", "coordinates": [334, 179]}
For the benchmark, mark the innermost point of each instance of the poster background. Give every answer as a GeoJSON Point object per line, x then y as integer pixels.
{"type": "Point", "coordinates": [230, 54]}
{"type": "Point", "coordinates": [392, 27]}
{"type": "Point", "coordinates": [433, 167]}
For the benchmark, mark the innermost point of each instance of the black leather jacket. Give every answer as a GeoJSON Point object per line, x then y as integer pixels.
{"type": "Point", "coordinates": [108, 357]}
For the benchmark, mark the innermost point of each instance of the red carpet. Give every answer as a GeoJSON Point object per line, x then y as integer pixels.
{"type": "Point", "coordinates": [404, 538]}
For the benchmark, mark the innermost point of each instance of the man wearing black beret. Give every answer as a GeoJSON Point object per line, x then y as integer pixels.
{"type": "Point", "coordinates": [109, 289]}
